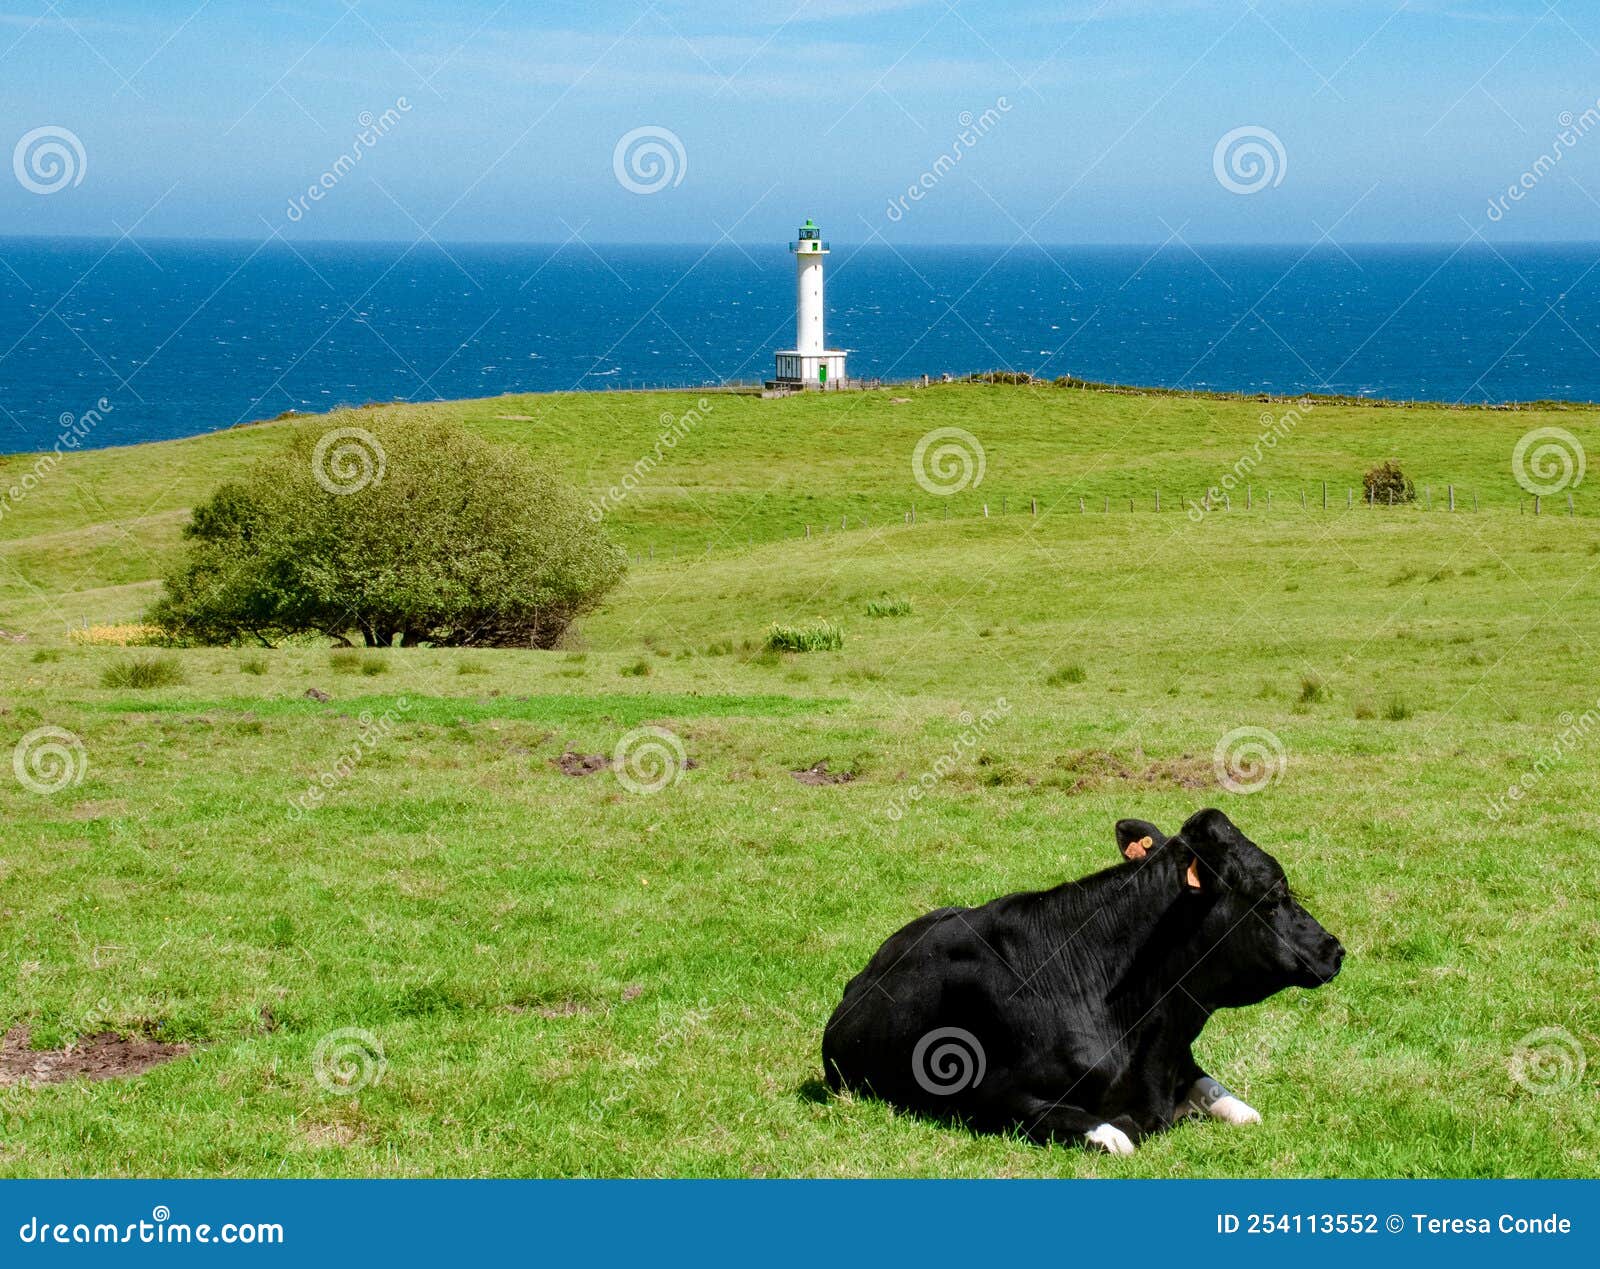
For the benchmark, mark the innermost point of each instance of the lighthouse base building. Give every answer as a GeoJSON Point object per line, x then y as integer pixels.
{"type": "Point", "coordinates": [810, 370]}
{"type": "Point", "coordinates": [810, 364]}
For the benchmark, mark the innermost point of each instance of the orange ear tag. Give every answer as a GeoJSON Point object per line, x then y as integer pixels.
{"type": "Point", "coordinates": [1136, 850]}
{"type": "Point", "coordinates": [1193, 875]}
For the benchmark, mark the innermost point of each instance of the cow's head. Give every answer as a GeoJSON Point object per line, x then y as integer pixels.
{"type": "Point", "coordinates": [1252, 937]}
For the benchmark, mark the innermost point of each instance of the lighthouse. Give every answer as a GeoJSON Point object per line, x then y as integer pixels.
{"type": "Point", "coordinates": [810, 363]}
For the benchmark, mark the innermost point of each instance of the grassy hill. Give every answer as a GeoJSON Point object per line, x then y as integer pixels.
{"type": "Point", "coordinates": [90, 540]}
{"type": "Point", "coordinates": [565, 975]}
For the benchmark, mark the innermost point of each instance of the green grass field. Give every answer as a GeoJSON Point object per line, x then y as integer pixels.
{"type": "Point", "coordinates": [568, 976]}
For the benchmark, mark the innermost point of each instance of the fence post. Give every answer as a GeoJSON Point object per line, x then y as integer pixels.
{"type": "Point", "coordinates": [1302, 499]}
{"type": "Point", "coordinates": [1227, 502]}
{"type": "Point", "coordinates": [1535, 504]}
{"type": "Point", "coordinates": [1035, 505]}
{"type": "Point", "coordinates": [1569, 503]}
{"type": "Point", "coordinates": [1452, 490]}
{"type": "Point", "coordinates": [986, 511]}
{"type": "Point", "coordinates": [1158, 500]}
{"type": "Point", "coordinates": [1108, 502]}
{"type": "Point", "coordinates": [1324, 495]}
{"type": "Point", "coordinates": [1249, 497]}
{"type": "Point", "coordinates": [1269, 500]}
{"type": "Point", "coordinates": [1080, 504]}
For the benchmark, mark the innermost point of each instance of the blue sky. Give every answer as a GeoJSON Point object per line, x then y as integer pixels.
{"type": "Point", "coordinates": [1377, 120]}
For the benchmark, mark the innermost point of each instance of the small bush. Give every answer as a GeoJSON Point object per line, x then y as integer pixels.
{"type": "Point", "coordinates": [1066, 674]}
{"type": "Point", "coordinates": [41, 655]}
{"type": "Point", "coordinates": [887, 607]}
{"type": "Point", "coordinates": [819, 636]}
{"type": "Point", "coordinates": [253, 665]}
{"type": "Point", "coordinates": [142, 672]}
{"type": "Point", "coordinates": [349, 661]}
{"type": "Point", "coordinates": [1386, 483]}
{"type": "Point", "coordinates": [638, 670]}
{"type": "Point", "coordinates": [1312, 690]}
{"type": "Point", "coordinates": [1397, 711]}
{"type": "Point", "coordinates": [471, 667]}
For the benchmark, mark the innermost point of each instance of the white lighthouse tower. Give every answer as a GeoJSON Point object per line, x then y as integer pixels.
{"type": "Point", "coordinates": [810, 363]}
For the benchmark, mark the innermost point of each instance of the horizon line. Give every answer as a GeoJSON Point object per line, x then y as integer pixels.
{"type": "Point", "coordinates": [1146, 245]}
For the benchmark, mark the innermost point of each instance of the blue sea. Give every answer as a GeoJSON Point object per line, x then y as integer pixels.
{"type": "Point", "coordinates": [179, 338]}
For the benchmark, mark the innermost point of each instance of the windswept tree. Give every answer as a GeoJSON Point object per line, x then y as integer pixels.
{"type": "Point", "coordinates": [385, 527]}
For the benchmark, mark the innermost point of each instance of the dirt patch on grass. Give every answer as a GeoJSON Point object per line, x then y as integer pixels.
{"type": "Point", "coordinates": [93, 1057]}
{"type": "Point", "coordinates": [326, 1136]}
{"type": "Point", "coordinates": [1087, 769]}
{"type": "Point", "coordinates": [818, 773]}
{"type": "Point", "coordinates": [580, 764]}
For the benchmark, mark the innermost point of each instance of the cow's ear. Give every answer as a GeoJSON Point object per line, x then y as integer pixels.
{"type": "Point", "coordinates": [1137, 838]}
{"type": "Point", "coordinates": [1208, 837]}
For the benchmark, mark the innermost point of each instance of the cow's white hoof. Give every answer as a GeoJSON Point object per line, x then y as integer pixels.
{"type": "Point", "coordinates": [1112, 1139]}
{"type": "Point", "coordinates": [1231, 1110]}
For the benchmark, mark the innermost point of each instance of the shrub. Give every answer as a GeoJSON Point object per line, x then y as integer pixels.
{"type": "Point", "coordinates": [887, 607]}
{"type": "Point", "coordinates": [1312, 690]}
{"type": "Point", "coordinates": [142, 672]}
{"type": "Point", "coordinates": [1066, 674]}
{"type": "Point", "coordinates": [638, 670]}
{"type": "Point", "coordinates": [1386, 483]}
{"type": "Point", "coordinates": [407, 527]}
{"type": "Point", "coordinates": [1397, 711]}
{"type": "Point", "coordinates": [349, 661]}
{"type": "Point", "coordinates": [820, 636]}
{"type": "Point", "coordinates": [253, 665]}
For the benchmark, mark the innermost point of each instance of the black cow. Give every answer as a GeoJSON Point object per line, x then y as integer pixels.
{"type": "Point", "coordinates": [1068, 1014]}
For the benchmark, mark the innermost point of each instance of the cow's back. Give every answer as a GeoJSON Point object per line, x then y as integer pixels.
{"type": "Point", "coordinates": [865, 1044]}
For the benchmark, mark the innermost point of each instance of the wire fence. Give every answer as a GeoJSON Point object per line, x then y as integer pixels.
{"type": "Point", "coordinates": [1449, 499]}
